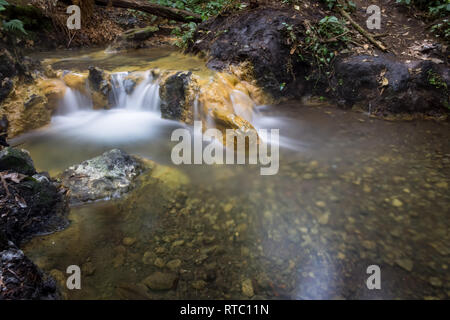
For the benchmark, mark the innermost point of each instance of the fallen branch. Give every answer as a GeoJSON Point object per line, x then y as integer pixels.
{"type": "Point", "coordinates": [151, 8]}
{"type": "Point", "coordinates": [334, 39]}
{"type": "Point", "coordinates": [360, 29]}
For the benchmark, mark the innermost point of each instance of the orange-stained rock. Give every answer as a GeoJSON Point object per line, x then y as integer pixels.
{"type": "Point", "coordinates": [76, 81]}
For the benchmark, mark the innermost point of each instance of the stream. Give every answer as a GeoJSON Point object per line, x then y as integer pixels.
{"type": "Point", "coordinates": [352, 191]}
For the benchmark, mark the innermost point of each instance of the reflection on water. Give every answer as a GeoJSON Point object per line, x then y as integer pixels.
{"type": "Point", "coordinates": [351, 192]}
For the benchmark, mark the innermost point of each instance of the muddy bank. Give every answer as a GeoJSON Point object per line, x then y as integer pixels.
{"type": "Point", "coordinates": [260, 42]}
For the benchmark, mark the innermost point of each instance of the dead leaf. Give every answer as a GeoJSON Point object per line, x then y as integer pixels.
{"type": "Point", "coordinates": [21, 201]}
{"type": "Point", "coordinates": [384, 82]}
{"type": "Point", "coordinates": [15, 177]}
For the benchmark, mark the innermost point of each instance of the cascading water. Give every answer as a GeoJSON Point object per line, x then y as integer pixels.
{"type": "Point", "coordinates": [74, 101]}
{"type": "Point", "coordinates": [134, 115]}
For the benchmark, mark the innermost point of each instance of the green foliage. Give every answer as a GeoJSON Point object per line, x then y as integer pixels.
{"type": "Point", "coordinates": [3, 3]}
{"type": "Point", "coordinates": [435, 8]}
{"type": "Point", "coordinates": [185, 34]}
{"type": "Point", "coordinates": [348, 5]}
{"type": "Point", "coordinates": [14, 26]}
{"type": "Point", "coordinates": [204, 8]}
{"type": "Point", "coordinates": [442, 29]}
{"type": "Point", "coordinates": [319, 44]}
{"type": "Point", "coordinates": [325, 38]}
{"type": "Point", "coordinates": [435, 80]}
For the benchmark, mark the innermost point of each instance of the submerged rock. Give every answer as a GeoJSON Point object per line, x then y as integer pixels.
{"type": "Point", "coordinates": [21, 279]}
{"type": "Point", "coordinates": [104, 177]}
{"type": "Point", "coordinates": [161, 281]}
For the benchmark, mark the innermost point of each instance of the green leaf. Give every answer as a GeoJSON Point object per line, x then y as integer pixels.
{"type": "Point", "coordinates": [3, 2]}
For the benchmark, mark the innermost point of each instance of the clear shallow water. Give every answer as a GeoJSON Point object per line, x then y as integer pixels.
{"type": "Point", "coordinates": [351, 192]}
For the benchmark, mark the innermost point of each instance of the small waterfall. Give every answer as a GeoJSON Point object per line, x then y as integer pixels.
{"type": "Point", "coordinates": [141, 97]}
{"type": "Point", "coordinates": [125, 94]}
{"type": "Point", "coordinates": [74, 101]}
{"type": "Point", "coordinates": [243, 105]}
{"type": "Point", "coordinates": [119, 93]}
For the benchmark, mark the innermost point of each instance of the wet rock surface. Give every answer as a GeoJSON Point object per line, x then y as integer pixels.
{"type": "Point", "coordinates": [21, 278]}
{"type": "Point", "coordinates": [99, 82]}
{"type": "Point", "coordinates": [104, 177]}
{"type": "Point", "coordinates": [174, 99]}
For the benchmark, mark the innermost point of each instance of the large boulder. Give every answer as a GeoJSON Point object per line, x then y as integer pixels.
{"type": "Point", "coordinates": [104, 177]}
{"type": "Point", "coordinates": [31, 206]}
{"type": "Point", "coordinates": [385, 84]}
{"type": "Point", "coordinates": [258, 37]}
{"type": "Point", "coordinates": [20, 278]}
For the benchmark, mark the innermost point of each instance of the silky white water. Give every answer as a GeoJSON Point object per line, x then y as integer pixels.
{"type": "Point", "coordinates": [135, 114]}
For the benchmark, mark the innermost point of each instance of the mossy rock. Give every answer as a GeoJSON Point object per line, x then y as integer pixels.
{"type": "Point", "coordinates": [16, 160]}
{"type": "Point", "coordinates": [139, 34]}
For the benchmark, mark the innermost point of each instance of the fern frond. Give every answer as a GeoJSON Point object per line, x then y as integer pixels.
{"type": "Point", "coordinates": [14, 25]}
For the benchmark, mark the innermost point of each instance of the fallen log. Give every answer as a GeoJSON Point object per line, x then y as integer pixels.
{"type": "Point", "coordinates": [151, 8]}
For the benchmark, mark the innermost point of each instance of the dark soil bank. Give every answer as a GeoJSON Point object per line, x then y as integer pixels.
{"type": "Point", "coordinates": [382, 83]}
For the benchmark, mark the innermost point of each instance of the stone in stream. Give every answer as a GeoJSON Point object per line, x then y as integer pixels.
{"type": "Point", "coordinates": [104, 177]}
{"type": "Point", "coordinates": [161, 281]}
{"type": "Point", "coordinates": [100, 84]}
{"type": "Point", "coordinates": [173, 92]}
{"type": "Point", "coordinates": [247, 288]}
